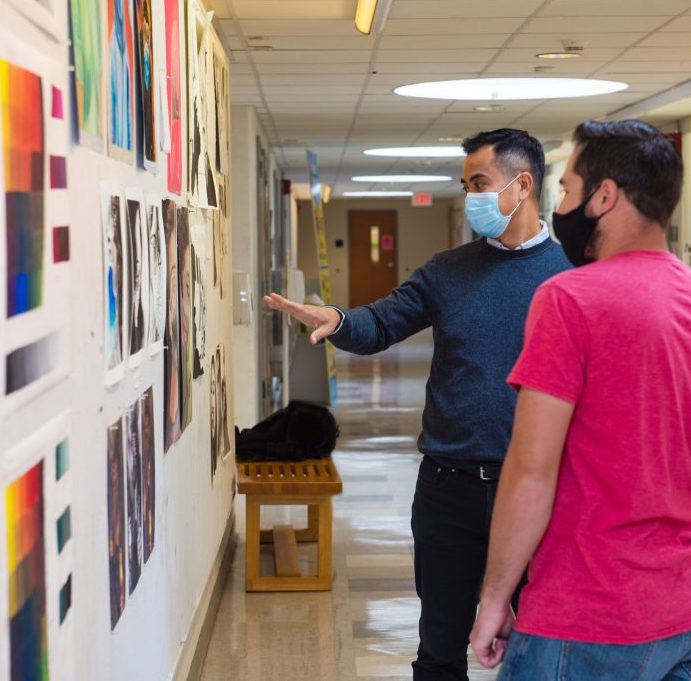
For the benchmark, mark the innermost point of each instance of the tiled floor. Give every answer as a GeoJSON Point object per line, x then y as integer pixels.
{"type": "Point", "coordinates": [366, 626]}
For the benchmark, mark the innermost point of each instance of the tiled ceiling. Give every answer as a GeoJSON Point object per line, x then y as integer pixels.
{"type": "Point", "coordinates": [318, 84]}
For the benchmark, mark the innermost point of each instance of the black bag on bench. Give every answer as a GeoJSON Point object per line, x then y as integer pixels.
{"type": "Point", "coordinates": [300, 431]}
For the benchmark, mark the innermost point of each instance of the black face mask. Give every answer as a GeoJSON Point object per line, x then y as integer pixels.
{"type": "Point", "coordinates": [575, 231]}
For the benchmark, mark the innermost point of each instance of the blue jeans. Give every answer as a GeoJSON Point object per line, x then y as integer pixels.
{"type": "Point", "coordinates": [534, 658]}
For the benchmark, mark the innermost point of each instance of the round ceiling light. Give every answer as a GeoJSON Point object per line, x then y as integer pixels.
{"type": "Point", "coordinates": [407, 179]}
{"type": "Point", "coordinates": [499, 89]}
{"type": "Point", "coordinates": [418, 152]}
{"type": "Point", "coordinates": [375, 194]}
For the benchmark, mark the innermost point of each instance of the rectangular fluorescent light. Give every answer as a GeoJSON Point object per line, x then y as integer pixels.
{"type": "Point", "coordinates": [364, 15]}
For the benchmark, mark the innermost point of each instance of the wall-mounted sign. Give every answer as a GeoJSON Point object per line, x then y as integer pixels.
{"type": "Point", "coordinates": [422, 199]}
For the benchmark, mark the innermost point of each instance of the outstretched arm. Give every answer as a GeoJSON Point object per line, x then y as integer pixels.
{"type": "Point", "coordinates": [323, 320]}
{"type": "Point", "coordinates": [371, 328]}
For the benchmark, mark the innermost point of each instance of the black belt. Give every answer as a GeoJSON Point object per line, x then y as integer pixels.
{"type": "Point", "coordinates": [488, 470]}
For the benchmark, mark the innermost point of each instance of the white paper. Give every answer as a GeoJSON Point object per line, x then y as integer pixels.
{"type": "Point", "coordinates": [49, 321]}
{"type": "Point", "coordinates": [57, 496]}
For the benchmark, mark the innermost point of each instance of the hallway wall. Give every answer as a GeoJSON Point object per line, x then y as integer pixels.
{"type": "Point", "coordinates": [422, 232]}
{"type": "Point", "coordinates": [157, 632]}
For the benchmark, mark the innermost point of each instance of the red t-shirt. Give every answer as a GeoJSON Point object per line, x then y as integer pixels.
{"type": "Point", "coordinates": [614, 339]}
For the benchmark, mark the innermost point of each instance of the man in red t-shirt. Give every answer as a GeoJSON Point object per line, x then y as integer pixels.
{"type": "Point", "coordinates": [595, 492]}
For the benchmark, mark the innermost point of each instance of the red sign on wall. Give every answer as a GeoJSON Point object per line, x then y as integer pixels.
{"type": "Point", "coordinates": [422, 199]}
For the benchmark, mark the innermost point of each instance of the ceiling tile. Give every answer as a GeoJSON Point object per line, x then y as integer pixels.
{"type": "Point", "coordinates": [313, 57]}
{"type": "Point", "coordinates": [452, 27]}
{"type": "Point", "coordinates": [575, 25]}
{"type": "Point", "coordinates": [294, 9]}
{"type": "Point", "coordinates": [444, 42]}
{"type": "Point", "coordinates": [447, 9]}
{"type": "Point", "coordinates": [449, 56]}
{"type": "Point", "coordinates": [543, 42]}
{"type": "Point", "coordinates": [598, 8]}
{"type": "Point", "coordinates": [290, 27]}
{"type": "Point", "coordinates": [682, 25]}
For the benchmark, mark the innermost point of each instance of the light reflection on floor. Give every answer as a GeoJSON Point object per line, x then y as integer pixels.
{"type": "Point", "coordinates": [366, 626]}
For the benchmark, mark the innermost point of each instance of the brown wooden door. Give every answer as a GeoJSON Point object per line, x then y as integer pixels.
{"type": "Point", "coordinates": [373, 247]}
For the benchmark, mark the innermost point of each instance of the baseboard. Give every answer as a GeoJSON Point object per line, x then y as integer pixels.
{"type": "Point", "coordinates": [191, 659]}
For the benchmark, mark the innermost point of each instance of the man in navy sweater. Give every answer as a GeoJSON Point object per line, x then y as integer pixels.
{"type": "Point", "coordinates": [476, 298]}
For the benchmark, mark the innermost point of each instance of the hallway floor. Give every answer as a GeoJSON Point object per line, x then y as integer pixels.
{"type": "Point", "coordinates": [367, 625]}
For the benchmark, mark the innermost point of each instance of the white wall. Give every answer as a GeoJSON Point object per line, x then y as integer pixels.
{"type": "Point", "coordinates": [421, 233]}
{"type": "Point", "coordinates": [191, 514]}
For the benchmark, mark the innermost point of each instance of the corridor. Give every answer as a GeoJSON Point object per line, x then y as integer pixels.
{"type": "Point", "coordinates": [367, 626]}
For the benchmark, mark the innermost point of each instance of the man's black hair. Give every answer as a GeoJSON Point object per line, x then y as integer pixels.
{"type": "Point", "coordinates": [515, 150]}
{"type": "Point", "coordinates": [638, 157]}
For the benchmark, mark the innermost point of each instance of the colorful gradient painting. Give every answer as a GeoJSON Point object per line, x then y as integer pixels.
{"type": "Point", "coordinates": [27, 574]}
{"type": "Point", "coordinates": [85, 17]}
{"type": "Point", "coordinates": [21, 100]}
{"type": "Point", "coordinates": [172, 11]}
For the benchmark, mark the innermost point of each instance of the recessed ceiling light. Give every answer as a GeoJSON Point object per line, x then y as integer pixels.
{"type": "Point", "coordinates": [418, 152]}
{"type": "Point", "coordinates": [489, 108]}
{"type": "Point", "coordinates": [457, 138]}
{"type": "Point", "coordinates": [511, 88]}
{"type": "Point", "coordinates": [375, 194]}
{"type": "Point", "coordinates": [559, 55]}
{"type": "Point", "coordinates": [408, 179]}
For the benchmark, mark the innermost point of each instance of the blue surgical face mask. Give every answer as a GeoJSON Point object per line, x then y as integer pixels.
{"type": "Point", "coordinates": [484, 216]}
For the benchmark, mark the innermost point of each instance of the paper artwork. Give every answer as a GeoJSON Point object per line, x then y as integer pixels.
{"type": "Point", "coordinates": [157, 274]}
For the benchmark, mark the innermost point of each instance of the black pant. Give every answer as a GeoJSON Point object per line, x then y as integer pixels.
{"type": "Point", "coordinates": [450, 522]}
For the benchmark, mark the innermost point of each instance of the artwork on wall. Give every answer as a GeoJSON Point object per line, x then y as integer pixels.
{"type": "Point", "coordinates": [116, 522]}
{"type": "Point", "coordinates": [213, 416]}
{"type": "Point", "coordinates": [87, 46]}
{"type": "Point", "coordinates": [217, 247]}
{"type": "Point", "coordinates": [221, 101]}
{"type": "Point", "coordinates": [114, 264]}
{"type": "Point", "coordinates": [220, 440]}
{"type": "Point", "coordinates": [120, 90]}
{"type": "Point", "coordinates": [133, 457]}
{"type": "Point", "coordinates": [36, 563]}
{"type": "Point", "coordinates": [148, 447]}
{"type": "Point", "coordinates": [138, 279]}
{"type": "Point", "coordinates": [24, 153]}
{"type": "Point", "coordinates": [24, 506]}
{"type": "Point", "coordinates": [34, 226]}
{"type": "Point", "coordinates": [198, 313]}
{"type": "Point", "coordinates": [202, 181]}
{"type": "Point", "coordinates": [157, 274]}
{"type": "Point", "coordinates": [224, 438]}
{"type": "Point", "coordinates": [186, 332]}
{"type": "Point", "coordinates": [172, 330]}
{"type": "Point", "coordinates": [147, 81]}
{"type": "Point", "coordinates": [174, 94]}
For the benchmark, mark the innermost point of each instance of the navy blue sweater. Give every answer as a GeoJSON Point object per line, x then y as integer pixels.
{"type": "Point", "coordinates": [476, 299]}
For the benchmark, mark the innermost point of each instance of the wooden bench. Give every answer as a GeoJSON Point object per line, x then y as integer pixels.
{"type": "Point", "coordinates": [309, 483]}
